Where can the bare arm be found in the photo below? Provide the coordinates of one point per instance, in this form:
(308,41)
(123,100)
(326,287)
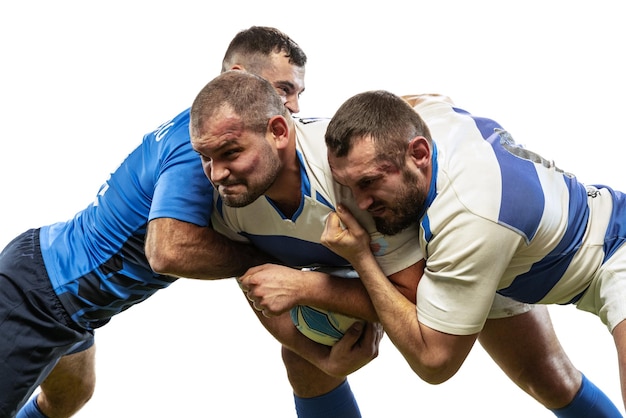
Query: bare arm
(275,289)
(433,355)
(183,249)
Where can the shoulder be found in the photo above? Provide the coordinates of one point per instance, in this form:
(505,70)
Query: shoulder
(310,141)
(170,138)
(311,129)
(178,126)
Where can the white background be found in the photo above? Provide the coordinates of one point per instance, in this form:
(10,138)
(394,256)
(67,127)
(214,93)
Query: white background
(81,82)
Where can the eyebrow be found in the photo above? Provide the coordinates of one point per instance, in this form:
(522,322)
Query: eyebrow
(224,144)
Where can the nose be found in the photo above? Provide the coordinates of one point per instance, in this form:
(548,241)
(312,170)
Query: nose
(217,172)
(363,200)
(292,103)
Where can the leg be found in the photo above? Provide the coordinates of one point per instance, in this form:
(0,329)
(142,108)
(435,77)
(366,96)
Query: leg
(619,335)
(316,393)
(526,348)
(34,334)
(69,386)
(528,351)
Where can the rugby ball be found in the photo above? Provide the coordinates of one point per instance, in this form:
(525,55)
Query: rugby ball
(320,325)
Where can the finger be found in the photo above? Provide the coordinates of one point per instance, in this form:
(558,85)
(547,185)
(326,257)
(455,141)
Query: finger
(378,333)
(332,222)
(243,284)
(260,307)
(352,335)
(331,229)
(346,217)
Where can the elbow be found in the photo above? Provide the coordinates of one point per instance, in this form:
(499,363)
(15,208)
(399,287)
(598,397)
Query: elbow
(433,377)
(161,261)
(435,371)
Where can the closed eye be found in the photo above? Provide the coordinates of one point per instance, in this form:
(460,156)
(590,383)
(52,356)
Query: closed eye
(365,183)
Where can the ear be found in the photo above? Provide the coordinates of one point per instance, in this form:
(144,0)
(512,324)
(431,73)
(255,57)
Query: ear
(419,151)
(278,128)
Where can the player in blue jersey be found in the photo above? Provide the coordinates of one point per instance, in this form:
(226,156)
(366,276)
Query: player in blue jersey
(493,217)
(60,282)
(275,190)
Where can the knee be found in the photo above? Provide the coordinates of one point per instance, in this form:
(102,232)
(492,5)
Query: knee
(554,387)
(66,401)
(306,380)
(70,385)
(84,389)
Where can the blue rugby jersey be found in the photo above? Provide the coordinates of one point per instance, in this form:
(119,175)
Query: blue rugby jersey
(96,261)
(502,218)
(296,240)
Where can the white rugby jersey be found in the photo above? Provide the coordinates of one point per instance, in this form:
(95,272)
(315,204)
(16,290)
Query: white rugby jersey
(296,241)
(501,218)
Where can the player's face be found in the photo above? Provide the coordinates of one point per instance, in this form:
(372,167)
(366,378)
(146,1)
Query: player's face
(241,164)
(394,196)
(287,79)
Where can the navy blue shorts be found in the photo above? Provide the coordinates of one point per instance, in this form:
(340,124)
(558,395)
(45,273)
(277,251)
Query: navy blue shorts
(35,330)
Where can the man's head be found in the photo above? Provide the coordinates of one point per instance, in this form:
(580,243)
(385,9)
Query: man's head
(240,128)
(271,54)
(381,148)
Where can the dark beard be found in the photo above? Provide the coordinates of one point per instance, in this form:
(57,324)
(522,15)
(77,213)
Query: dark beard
(410,204)
(240,201)
(271,166)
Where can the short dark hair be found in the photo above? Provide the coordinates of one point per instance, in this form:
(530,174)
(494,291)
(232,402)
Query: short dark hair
(261,40)
(386,118)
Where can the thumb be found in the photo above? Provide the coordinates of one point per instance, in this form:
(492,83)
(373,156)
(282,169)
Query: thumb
(346,217)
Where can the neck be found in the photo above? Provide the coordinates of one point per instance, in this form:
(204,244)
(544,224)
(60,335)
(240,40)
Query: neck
(285,192)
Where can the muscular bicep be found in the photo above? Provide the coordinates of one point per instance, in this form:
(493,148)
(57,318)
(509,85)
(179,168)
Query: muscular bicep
(169,240)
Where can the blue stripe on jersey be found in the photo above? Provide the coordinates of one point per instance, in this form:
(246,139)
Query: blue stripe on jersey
(486,126)
(616,229)
(428,234)
(432,193)
(322,199)
(123,280)
(522,202)
(296,252)
(305,183)
(535,284)
(305,188)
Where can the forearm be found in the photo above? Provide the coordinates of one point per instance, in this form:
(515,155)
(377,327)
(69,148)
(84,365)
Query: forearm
(338,294)
(433,355)
(182,249)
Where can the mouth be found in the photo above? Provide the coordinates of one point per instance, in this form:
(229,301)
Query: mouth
(229,189)
(377,211)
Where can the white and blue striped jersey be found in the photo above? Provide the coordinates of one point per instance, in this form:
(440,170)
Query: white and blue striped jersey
(295,241)
(96,260)
(502,218)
